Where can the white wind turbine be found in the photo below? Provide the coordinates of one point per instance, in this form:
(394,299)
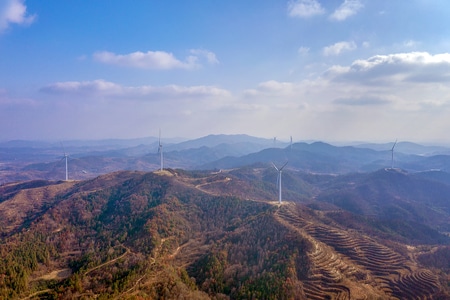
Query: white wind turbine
(66,158)
(392,154)
(160,151)
(279,170)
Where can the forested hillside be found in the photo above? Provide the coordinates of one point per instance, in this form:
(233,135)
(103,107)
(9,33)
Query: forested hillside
(205,235)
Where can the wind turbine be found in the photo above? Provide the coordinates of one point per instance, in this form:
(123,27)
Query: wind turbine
(392,154)
(66,158)
(160,151)
(279,170)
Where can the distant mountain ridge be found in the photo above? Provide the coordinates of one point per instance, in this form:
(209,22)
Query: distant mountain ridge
(214,140)
(210,152)
(315,157)
(408,148)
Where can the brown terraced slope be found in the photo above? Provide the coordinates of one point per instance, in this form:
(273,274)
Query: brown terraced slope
(203,235)
(351,265)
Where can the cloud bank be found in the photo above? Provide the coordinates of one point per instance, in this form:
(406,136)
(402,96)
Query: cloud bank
(406,81)
(102,88)
(403,94)
(412,67)
(373,95)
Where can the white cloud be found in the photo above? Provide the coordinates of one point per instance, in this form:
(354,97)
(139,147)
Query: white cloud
(338,48)
(210,56)
(347,9)
(395,68)
(102,88)
(157,60)
(14,12)
(410,44)
(303,50)
(96,87)
(304,8)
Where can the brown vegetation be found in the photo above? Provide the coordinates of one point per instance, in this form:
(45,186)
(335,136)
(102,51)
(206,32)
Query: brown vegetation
(176,234)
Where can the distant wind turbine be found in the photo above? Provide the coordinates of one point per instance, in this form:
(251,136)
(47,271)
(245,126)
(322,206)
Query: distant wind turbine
(66,158)
(274,141)
(279,170)
(291,143)
(392,154)
(160,151)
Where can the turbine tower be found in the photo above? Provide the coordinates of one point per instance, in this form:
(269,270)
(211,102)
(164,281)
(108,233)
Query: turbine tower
(392,154)
(66,158)
(279,170)
(160,151)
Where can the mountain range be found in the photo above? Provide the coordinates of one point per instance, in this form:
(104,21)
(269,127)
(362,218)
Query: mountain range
(28,160)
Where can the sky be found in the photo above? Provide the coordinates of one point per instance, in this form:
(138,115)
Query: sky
(330,70)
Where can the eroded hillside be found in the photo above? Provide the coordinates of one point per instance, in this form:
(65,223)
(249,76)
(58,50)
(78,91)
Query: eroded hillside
(200,235)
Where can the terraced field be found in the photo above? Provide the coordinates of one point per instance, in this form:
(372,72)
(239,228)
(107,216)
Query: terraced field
(350,265)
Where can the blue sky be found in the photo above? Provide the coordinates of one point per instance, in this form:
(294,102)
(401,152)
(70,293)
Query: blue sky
(341,70)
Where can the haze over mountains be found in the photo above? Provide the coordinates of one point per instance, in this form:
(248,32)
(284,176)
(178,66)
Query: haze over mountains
(25,160)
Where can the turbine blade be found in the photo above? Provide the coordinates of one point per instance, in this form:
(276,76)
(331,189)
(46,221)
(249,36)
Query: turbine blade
(64,149)
(395,143)
(275,166)
(159,140)
(284,165)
